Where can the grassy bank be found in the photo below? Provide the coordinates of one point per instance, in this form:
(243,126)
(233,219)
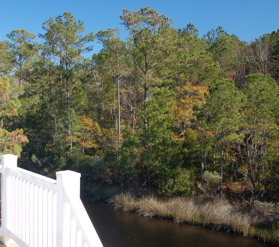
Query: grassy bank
(258,220)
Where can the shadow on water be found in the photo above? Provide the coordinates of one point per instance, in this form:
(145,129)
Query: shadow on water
(125,229)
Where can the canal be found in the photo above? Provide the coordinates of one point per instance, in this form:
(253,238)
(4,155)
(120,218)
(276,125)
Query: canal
(125,229)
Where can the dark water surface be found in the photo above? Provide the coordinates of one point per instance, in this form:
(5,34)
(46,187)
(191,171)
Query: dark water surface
(125,229)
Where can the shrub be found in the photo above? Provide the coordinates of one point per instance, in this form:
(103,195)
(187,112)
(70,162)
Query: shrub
(212,180)
(180,184)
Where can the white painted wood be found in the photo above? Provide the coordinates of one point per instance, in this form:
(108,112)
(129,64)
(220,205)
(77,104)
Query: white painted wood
(8,162)
(41,212)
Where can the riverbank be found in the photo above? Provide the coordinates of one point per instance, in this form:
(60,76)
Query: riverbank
(257,220)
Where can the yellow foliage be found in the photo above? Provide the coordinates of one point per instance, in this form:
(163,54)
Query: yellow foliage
(93,135)
(177,138)
(188,97)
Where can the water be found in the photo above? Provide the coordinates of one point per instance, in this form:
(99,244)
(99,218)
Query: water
(125,229)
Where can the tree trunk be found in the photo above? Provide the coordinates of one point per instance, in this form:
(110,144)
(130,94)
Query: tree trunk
(221,170)
(119,111)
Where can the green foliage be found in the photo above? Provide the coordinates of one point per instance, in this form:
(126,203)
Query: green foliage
(23,50)
(148,113)
(262,93)
(129,155)
(211,181)
(261,129)
(145,18)
(227,50)
(152,149)
(180,183)
(152,46)
(156,123)
(5,58)
(211,178)
(63,35)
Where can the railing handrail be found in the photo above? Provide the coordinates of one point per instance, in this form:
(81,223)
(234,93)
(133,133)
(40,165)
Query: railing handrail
(35,178)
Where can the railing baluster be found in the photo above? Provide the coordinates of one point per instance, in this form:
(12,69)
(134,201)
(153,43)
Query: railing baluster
(47,218)
(24,185)
(16,205)
(13,205)
(11,184)
(83,242)
(44,218)
(27,211)
(40,218)
(68,219)
(76,229)
(73,233)
(23,210)
(54,218)
(79,238)
(31,214)
(19,207)
(50,225)
(36,214)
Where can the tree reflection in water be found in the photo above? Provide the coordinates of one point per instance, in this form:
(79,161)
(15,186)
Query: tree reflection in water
(125,229)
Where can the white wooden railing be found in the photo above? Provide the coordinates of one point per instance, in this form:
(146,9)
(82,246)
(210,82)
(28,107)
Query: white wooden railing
(37,211)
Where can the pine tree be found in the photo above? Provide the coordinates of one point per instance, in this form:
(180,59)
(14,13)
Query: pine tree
(23,50)
(225,117)
(261,128)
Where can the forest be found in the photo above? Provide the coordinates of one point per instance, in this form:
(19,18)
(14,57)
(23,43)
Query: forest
(165,111)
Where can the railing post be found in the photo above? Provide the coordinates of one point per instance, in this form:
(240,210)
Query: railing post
(8,161)
(67,181)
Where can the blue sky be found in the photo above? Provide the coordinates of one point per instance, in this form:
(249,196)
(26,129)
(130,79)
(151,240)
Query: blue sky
(248,19)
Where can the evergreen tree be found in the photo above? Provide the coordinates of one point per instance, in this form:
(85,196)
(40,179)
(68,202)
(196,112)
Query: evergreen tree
(5,58)
(114,53)
(224,117)
(23,49)
(156,150)
(227,50)
(261,129)
(152,44)
(66,45)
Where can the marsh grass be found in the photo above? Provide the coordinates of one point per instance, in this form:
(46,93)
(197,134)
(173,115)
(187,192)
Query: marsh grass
(152,207)
(125,202)
(259,220)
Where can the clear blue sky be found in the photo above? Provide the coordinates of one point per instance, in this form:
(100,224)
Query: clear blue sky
(248,19)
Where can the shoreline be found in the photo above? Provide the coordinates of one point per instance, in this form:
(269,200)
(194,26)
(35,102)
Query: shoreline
(258,220)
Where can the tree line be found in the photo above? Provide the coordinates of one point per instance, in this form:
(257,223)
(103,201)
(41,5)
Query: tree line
(154,112)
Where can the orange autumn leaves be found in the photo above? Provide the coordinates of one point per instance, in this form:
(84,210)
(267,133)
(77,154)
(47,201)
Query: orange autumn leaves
(10,141)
